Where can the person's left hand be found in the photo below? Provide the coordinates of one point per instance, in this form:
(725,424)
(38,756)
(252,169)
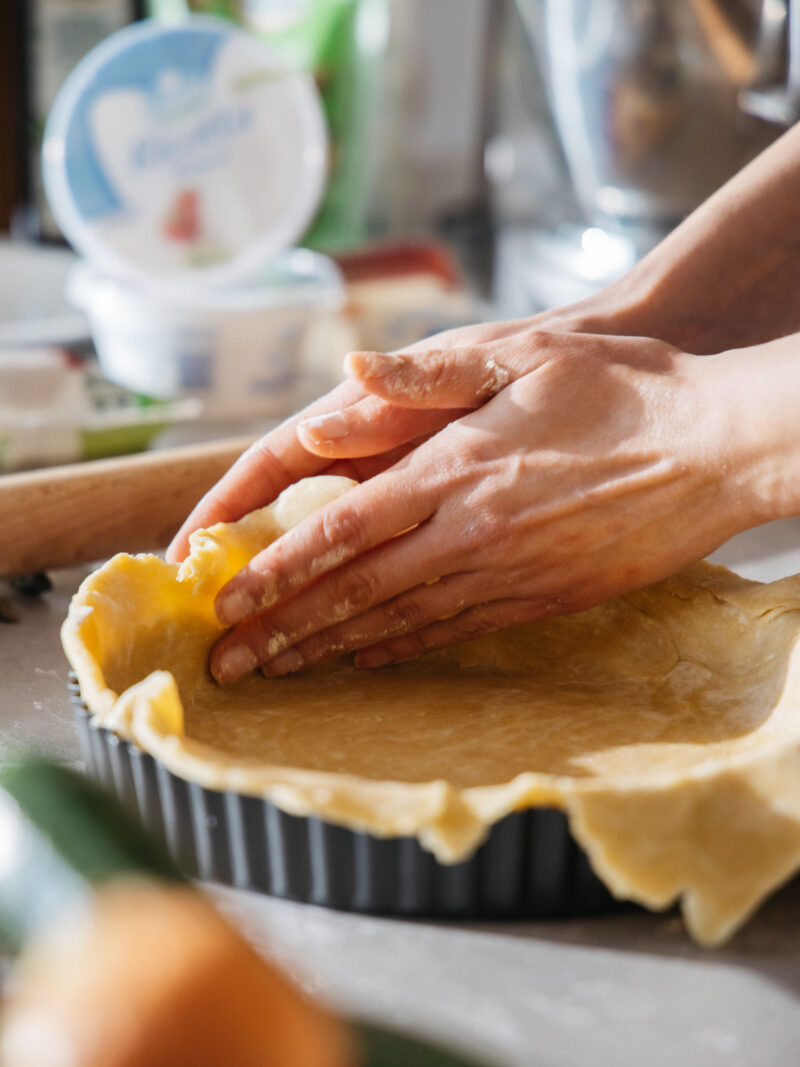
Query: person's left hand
(371,420)
(596,469)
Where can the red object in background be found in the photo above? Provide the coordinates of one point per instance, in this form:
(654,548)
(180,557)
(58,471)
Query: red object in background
(399,260)
(183,221)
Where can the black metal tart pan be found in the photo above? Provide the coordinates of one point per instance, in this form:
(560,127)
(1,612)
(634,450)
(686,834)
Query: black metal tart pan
(528,867)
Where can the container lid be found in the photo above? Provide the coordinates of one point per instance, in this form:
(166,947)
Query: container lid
(184,154)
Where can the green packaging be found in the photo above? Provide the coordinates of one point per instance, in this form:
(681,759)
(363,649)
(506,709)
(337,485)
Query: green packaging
(339,42)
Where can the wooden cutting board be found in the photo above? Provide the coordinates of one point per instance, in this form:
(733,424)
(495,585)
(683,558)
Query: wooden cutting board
(62,516)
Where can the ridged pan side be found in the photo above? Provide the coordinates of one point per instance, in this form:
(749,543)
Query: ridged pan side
(528,867)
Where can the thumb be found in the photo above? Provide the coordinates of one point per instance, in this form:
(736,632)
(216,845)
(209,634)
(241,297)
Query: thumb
(436,378)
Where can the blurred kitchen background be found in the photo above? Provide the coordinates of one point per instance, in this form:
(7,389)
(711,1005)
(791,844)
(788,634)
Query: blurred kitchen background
(488,159)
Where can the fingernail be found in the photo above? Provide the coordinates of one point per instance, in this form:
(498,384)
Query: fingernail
(331,427)
(285,663)
(378,364)
(233,663)
(232,607)
(373,657)
(235,606)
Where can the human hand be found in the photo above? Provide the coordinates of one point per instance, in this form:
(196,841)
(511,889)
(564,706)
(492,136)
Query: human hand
(690,291)
(595,470)
(387,427)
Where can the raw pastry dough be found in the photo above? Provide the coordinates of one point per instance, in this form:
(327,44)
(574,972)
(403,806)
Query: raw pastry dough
(666,723)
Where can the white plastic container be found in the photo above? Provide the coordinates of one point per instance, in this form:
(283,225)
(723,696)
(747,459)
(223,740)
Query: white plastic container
(239,349)
(33,310)
(182,160)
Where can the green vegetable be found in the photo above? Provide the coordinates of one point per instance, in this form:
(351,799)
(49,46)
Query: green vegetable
(385,1048)
(60,836)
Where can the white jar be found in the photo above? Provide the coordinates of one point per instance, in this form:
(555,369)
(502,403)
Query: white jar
(239,349)
(183,161)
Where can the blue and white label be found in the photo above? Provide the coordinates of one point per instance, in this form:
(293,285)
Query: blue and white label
(178,150)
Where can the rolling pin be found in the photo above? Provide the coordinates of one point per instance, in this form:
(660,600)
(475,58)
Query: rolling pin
(62,516)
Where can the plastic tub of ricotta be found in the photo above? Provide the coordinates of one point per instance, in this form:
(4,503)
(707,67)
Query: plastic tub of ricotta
(239,349)
(183,161)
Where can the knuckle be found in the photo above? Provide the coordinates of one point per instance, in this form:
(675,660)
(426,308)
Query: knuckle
(437,368)
(266,642)
(416,644)
(474,623)
(539,340)
(342,527)
(358,590)
(263,458)
(406,615)
(317,647)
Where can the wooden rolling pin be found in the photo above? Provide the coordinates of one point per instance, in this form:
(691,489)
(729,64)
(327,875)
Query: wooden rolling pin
(83,512)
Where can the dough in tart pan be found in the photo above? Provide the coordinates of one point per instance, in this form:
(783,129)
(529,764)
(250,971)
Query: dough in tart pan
(665,723)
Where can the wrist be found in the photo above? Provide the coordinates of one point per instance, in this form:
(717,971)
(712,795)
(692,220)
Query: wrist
(630,307)
(754,394)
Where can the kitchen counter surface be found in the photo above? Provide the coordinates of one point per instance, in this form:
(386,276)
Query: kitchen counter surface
(626,990)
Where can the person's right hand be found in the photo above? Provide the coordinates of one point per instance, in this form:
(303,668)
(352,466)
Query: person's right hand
(609,464)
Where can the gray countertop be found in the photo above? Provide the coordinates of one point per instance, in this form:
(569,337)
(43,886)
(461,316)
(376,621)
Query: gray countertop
(626,990)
